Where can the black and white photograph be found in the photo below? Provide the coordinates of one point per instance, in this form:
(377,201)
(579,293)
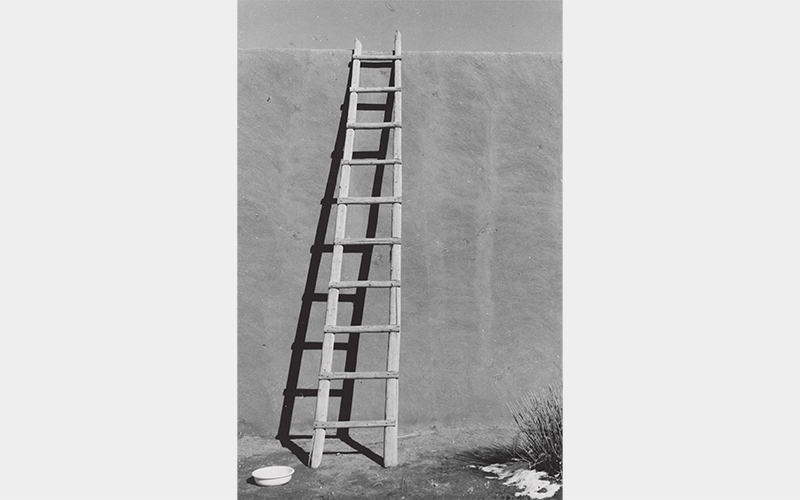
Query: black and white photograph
(399,249)
(376,137)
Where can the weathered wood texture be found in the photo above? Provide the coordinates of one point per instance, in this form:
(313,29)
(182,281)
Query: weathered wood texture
(392,373)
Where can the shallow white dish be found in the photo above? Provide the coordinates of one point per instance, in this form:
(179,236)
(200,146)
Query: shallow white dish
(273,475)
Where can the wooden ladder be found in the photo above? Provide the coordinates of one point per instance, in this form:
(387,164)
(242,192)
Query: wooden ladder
(391,375)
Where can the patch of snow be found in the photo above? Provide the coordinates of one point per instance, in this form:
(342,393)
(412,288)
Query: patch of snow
(532,483)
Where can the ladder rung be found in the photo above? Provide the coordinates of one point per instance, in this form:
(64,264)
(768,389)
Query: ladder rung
(369,200)
(356,125)
(357,375)
(366,90)
(376,57)
(355,423)
(370,161)
(362,329)
(364,284)
(366,241)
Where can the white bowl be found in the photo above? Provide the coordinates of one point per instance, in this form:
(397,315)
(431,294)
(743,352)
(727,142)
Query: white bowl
(273,476)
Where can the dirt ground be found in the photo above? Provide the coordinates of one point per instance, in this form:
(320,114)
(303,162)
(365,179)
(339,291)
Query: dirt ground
(435,463)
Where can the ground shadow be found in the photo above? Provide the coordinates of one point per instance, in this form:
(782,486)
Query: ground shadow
(357,298)
(487,455)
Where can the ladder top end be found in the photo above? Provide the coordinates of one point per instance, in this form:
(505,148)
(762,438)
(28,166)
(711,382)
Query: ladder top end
(358,44)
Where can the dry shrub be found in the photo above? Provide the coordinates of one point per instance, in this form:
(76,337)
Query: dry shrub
(539,439)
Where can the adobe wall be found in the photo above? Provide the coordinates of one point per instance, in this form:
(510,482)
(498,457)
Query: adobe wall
(481,235)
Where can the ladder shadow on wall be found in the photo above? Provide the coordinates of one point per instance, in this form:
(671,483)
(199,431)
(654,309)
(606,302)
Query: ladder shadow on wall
(318,273)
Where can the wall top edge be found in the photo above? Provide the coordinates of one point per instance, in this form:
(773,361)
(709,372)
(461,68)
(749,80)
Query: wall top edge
(405,52)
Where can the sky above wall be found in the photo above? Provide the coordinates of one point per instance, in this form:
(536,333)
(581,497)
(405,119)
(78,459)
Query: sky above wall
(426,25)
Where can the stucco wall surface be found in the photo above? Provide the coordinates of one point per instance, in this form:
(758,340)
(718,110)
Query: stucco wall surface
(481,268)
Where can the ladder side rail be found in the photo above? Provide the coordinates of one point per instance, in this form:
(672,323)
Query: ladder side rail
(393,356)
(326,361)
